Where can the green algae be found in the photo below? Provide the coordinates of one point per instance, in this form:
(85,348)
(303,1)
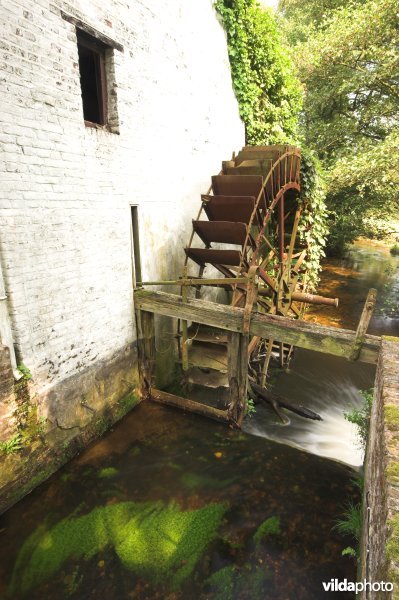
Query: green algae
(390,338)
(107,473)
(232,582)
(392,470)
(270,526)
(392,547)
(126,403)
(193,481)
(158,542)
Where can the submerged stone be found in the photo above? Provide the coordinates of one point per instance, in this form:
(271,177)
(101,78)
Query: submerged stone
(158,542)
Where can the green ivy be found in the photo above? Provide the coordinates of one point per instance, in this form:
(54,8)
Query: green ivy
(268,93)
(313,229)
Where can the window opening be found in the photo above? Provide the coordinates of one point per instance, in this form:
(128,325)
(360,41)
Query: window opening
(92,78)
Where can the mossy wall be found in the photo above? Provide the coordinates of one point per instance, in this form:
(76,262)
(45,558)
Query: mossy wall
(380,539)
(55,425)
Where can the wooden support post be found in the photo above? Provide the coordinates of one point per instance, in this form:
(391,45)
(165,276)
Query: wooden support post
(366,315)
(252,293)
(146,350)
(265,367)
(237,376)
(281,230)
(184,346)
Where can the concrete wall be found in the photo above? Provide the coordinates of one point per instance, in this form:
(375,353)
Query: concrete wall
(66,190)
(380,543)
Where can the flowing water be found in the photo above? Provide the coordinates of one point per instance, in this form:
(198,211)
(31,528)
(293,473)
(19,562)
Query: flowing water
(328,385)
(172,506)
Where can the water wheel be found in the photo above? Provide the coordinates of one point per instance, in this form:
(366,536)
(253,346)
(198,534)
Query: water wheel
(250,219)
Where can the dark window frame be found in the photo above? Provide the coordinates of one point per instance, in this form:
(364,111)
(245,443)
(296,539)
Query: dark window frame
(98,50)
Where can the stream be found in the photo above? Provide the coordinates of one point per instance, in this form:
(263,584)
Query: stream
(173,506)
(326,384)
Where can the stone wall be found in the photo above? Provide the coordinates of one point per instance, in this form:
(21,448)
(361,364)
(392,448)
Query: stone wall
(67,189)
(380,543)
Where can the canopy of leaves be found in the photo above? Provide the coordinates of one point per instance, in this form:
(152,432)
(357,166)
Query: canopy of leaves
(268,92)
(347,56)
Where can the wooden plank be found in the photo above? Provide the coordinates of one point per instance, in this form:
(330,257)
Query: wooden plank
(329,340)
(365,318)
(189,405)
(237,376)
(145,321)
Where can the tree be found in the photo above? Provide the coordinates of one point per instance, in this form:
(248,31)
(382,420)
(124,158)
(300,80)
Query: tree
(347,56)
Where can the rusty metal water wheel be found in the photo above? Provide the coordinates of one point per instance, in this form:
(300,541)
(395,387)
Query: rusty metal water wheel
(252,229)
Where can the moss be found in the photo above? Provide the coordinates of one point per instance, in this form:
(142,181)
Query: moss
(231,582)
(107,473)
(269,527)
(392,547)
(100,426)
(161,543)
(126,403)
(390,338)
(391,417)
(223,583)
(392,470)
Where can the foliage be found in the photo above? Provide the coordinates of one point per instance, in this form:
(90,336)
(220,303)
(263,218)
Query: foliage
(347,55)
(12,445)
(251,408)
(395,250)
(27,375)
(361,416)
(363,195)
(350,524)
(268,93)
(270,526)
(161,543)
(349,551)
(313,229)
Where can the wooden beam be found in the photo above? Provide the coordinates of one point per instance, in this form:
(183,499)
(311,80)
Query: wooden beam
(329,340)
(145,321)
(365,318)
(237,348)
(189,405)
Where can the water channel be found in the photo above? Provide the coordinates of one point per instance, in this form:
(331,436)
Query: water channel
(172,506)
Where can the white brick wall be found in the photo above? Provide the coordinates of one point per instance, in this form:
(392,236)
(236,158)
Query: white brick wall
(66,189)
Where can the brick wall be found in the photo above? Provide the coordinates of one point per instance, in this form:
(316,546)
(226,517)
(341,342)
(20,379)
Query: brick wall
(66,188)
